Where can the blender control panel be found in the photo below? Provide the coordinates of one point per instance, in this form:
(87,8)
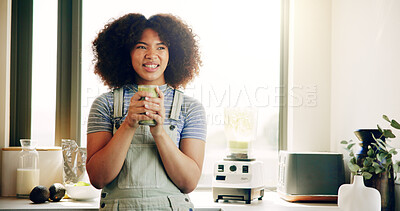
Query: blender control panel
(233,168)
(228,170)
(241,174)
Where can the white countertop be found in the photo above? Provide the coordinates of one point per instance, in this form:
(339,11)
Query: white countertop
(271,202)
(13,203)
(202,199)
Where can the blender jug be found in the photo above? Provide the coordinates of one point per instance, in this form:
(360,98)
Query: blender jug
(240,130)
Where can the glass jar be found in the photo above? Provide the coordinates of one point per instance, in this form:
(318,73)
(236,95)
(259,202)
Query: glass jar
(28,170)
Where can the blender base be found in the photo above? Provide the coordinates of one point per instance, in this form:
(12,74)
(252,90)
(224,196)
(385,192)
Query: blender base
(238,157)
(237,194)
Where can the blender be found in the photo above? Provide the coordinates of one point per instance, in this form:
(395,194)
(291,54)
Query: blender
(239,177)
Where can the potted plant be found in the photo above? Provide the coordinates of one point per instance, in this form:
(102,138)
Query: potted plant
(374,161)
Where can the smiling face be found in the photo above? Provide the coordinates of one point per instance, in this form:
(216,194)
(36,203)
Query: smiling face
(150,59)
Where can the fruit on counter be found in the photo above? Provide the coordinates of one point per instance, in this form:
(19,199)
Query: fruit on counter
(81,183)
(57,192)
(39,194)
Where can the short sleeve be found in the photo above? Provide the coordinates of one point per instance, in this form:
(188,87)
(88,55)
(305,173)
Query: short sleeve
(100,115)
(195,124)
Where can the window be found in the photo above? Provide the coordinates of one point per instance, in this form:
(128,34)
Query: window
(240,45)
(44,71)
(33,71)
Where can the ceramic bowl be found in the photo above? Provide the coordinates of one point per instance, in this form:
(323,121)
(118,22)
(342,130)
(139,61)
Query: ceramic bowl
(82,192)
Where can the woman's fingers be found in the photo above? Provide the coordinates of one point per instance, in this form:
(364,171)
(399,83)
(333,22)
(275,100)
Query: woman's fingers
(145,107)
(140,95)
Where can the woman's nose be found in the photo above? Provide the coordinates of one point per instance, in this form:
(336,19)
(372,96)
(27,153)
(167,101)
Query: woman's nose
(151,54)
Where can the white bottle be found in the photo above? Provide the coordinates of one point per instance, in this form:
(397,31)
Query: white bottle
(358,197)
(28,173)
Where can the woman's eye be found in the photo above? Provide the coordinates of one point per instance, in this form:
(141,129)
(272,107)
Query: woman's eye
(140,47)
(161,48)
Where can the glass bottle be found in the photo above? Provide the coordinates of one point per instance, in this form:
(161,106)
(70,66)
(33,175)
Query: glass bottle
(28,170)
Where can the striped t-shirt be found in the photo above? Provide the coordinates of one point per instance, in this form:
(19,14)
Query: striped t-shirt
(191,123)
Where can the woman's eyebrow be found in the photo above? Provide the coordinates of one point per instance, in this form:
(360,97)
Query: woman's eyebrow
(144,43)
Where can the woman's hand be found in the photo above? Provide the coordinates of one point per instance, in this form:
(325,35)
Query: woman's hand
(139,109)
(156,110)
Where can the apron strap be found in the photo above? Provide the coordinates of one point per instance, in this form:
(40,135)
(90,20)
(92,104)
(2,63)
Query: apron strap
(118,106)
(176,105)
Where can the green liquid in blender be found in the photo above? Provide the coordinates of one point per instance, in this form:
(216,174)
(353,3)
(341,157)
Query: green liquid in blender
(238,146)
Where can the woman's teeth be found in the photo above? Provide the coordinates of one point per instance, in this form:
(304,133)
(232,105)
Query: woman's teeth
(151,65)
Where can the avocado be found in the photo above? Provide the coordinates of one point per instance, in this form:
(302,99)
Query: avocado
(39,194)
(57,192)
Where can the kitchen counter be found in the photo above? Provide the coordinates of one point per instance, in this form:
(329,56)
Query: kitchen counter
(271,201)
(202,200)
(13,203)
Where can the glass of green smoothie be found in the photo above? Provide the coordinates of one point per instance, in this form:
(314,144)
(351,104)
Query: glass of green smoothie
(152,90)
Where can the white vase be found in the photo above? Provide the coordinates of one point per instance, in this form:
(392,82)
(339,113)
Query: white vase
(356,196)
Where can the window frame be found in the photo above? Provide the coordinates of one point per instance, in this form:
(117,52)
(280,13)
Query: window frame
(21,70)
(284,69)
(68,95)
(68,71)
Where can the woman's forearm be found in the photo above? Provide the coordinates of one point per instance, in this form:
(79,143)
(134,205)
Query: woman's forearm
(107,155)
(184,170)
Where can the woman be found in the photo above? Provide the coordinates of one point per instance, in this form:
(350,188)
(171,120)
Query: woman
(143,167)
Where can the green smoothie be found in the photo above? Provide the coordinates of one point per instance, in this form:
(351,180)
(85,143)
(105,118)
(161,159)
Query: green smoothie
(238,146)
(152,90)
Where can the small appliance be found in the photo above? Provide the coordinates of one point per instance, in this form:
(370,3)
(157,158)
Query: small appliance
(310,176)
(239,177)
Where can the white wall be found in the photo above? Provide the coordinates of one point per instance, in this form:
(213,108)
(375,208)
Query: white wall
(349,51)
(309,75)
(365,66)
(5,41)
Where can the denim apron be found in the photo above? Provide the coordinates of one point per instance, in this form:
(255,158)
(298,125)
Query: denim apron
(142,183)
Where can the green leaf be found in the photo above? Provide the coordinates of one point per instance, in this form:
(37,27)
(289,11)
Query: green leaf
(380,144)
(367,162)
(371,153)
(353,160)
(378,170)
(380,129)
(371,170)
(353,167)
(393,151)
(395,124)
(367,175)
(381,157)
(388,134)
(386,118)
(344,142)
(351,154)
(350,146)
(376,165)
(366,169)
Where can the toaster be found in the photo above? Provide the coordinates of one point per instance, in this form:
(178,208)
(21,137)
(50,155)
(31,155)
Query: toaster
(310,176)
